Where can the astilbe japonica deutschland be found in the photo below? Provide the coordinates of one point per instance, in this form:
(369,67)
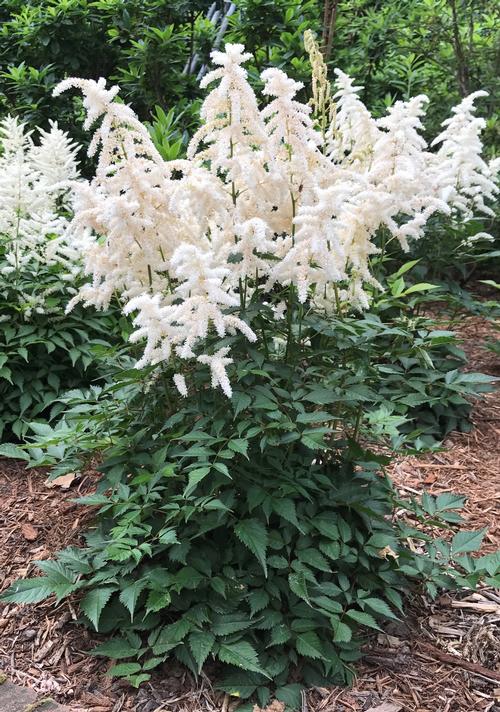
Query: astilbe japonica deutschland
(244,518)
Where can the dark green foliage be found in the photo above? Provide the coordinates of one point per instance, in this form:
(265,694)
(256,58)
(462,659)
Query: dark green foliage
(143,46)
(258,532)
(45,354)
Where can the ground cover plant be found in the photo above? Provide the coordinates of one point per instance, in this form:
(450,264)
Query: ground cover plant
(243,510)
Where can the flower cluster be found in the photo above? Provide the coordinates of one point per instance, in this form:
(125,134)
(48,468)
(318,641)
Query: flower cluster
(268,199)
(34,208)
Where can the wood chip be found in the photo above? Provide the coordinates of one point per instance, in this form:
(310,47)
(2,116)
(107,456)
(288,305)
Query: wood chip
(29,532)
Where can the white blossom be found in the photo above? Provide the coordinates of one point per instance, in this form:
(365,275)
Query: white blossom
(34,201)
(264,202)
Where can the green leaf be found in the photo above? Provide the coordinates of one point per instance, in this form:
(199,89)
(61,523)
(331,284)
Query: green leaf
(464,542)
(195,477)
(137,680)
(201,645)
(341,631)
(253,535)
(240,654)
(297,583)
(240,684)
(314,558)
(309,644)
(279,634)
(317,416)
(28,591)
(227,623)
(380,607)
(157,600)
(124,669)
(331,549)
(449,500)
(258,600)
(321,396)
(93,603)
(239,445)
(286,509)
(116,649)
(291,695)
(13,451)
(420,287)
(129,596)
(327,604)
(241,401)
(363,618)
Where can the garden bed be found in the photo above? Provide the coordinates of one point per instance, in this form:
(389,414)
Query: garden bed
(445,657)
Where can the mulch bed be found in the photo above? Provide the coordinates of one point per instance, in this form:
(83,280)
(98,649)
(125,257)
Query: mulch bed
(444,658)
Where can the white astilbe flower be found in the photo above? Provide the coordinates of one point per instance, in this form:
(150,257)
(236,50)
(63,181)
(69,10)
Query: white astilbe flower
(34,198)
(232,126)
(266,202)
(353,132)
(463,177)
(292,137)
(55,157)
(180,384)
(218,363)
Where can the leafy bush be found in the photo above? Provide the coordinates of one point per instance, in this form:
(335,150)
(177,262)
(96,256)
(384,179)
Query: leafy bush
(242,515)
(258,533)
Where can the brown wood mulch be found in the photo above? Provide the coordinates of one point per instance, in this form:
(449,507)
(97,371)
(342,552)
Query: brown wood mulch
(444,658)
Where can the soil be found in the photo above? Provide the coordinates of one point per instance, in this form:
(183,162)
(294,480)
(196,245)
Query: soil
(444,658)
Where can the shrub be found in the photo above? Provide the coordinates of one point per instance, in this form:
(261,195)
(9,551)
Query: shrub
(242,514)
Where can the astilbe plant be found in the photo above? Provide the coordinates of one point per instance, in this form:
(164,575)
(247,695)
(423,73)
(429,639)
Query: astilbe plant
(39,271)
(242,516)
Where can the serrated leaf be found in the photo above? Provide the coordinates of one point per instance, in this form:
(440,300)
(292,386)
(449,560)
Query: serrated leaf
(314,558)
(449,500)
(241,401)
(157,600)
(341,632)
(130,594)
(290,694)
(28,591)
(253,535)
(242,655)
(258,600)
(279,634)
(93,604)
(238,683)
(331,549)
(225,624)
(317,416)
(195,477)
(326,526)
(201,645)
(116,649)
(362,618)
(380,607)
(286,509)
(309,644)
(13,451)
(464,542)
(239,445)
(297,583)
(124,669)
